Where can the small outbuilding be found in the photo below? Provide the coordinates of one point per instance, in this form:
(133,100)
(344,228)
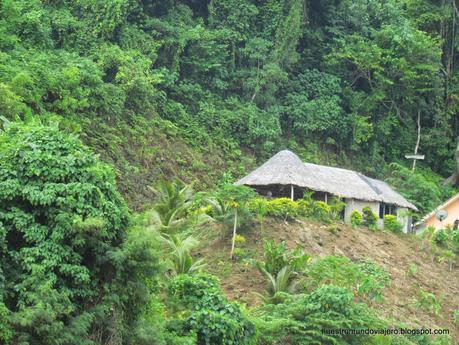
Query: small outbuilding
(445,215)
(285,175)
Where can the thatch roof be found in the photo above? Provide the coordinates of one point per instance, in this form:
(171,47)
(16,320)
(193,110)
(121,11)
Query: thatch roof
(286,168)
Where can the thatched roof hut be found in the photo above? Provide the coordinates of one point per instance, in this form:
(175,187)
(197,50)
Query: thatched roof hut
(286,168)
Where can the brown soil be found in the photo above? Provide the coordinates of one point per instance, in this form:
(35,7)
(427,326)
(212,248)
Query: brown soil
(241,281)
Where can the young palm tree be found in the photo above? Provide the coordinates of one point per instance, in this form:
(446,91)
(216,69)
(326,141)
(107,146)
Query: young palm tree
(180,254)
(173,202)
(282,267)
(283,281)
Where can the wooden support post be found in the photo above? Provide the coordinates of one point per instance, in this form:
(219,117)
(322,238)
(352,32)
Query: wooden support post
(233,241)
(292,192)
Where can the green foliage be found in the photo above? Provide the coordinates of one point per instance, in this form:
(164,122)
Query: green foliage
(456,316)
(369,218)
(321,210)
(392,224)
(356,218)
(301,318)
(173,202)
(281,267)
(429,301)
(6,331)
(180,252)
(208,313)
(365,279)
(69,270)
(424,191)
(240,239)
(336,208)
(283,208)
(286,209)
(413,269)
(346,78)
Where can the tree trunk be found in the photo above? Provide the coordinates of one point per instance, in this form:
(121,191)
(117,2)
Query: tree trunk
(454,178)
(234,234)
(418,140)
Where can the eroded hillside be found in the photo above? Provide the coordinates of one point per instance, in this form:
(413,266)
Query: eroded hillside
(409,260)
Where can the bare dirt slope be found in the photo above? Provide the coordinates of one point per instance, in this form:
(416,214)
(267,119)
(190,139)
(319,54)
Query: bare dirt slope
(396,253)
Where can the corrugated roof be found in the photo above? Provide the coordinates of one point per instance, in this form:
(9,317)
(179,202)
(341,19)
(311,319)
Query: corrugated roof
(286,168)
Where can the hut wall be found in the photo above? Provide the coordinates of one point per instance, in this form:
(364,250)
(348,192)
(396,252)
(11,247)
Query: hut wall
(405,219)
(354,204)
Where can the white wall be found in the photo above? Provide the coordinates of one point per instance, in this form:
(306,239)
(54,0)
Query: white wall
(353,204)
(403,218)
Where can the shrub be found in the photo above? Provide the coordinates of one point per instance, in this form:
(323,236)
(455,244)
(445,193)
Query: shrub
(214,319)
(321,211)
(336,207)
(365,278)
(305,207)
(301,319)
(369,218)
(429,301)
(440,237)
(392,224)
(283,208)
(63,229)
(286,209)
(356,218)
(6,331)
(239,239)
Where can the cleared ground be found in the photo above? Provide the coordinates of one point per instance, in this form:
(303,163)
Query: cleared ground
(241,281)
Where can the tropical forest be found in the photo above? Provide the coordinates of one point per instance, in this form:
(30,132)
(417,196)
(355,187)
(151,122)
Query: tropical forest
(125,126)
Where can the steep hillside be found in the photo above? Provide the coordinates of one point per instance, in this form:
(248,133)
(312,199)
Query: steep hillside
(396,253)
(145,150)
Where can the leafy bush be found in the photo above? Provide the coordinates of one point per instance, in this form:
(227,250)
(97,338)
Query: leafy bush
(6,331)
(369,218)
(283,208)
(277,256)
(208,313)
(239,239)
(63,229)
(321,211)
(392,224)
(301,318)
(429,301)
(305,207)
(441,237)
(336,207)
(365,279)
(356,218)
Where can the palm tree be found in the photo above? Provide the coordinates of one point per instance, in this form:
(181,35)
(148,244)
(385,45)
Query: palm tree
(180,254)
(283,281)
(173,201)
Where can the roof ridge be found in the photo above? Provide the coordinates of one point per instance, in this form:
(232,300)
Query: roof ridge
(368,182)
